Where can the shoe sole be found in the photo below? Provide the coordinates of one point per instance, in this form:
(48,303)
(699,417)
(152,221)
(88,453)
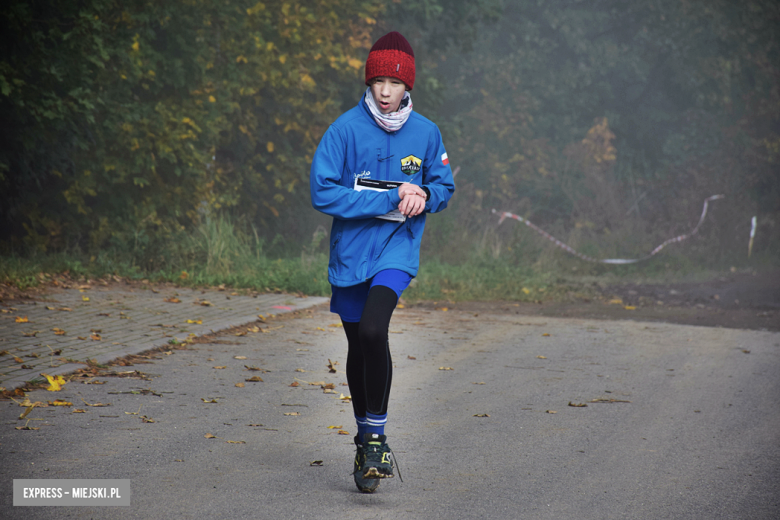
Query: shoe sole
(373,473)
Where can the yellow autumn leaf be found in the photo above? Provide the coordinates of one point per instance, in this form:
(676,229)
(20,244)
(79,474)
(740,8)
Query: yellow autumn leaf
(197,322)
(55,383)
(629,307)
(136,46)
(270,147)
(355,63)
(60,402)
(616,301)
(19,319)
(526,290)
(212,99)
(85,298)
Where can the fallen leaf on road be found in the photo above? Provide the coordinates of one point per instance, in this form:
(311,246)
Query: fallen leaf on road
(578,405)
(55,383)
(172,299)
(480,383)
(343,432)
(254,379)
(197,322)
(294,384)
(208,400)
(220,367)
(481,415)
(616,301)
(335,427)
(79,410)
(210,436)
(299,370)
(269,329)
(20,319)
(147,419)
(541,357)
(236,442)
(605,400)
(30,334)
(96,404)
(239,357)
(546,334)
(329,386)
(331,364)
(240,385)
(251,368)
(551,411)
(629,307)
(85,298)
(446,368)
(18,359)
(95,337)
(29,409)
(60,402)
(411,357)
(58,331)
(292,413)
(315,463)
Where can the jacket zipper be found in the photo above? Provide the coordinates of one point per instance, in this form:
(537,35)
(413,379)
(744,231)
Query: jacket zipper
(376,229)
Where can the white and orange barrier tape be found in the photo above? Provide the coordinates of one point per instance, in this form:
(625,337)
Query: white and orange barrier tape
(506,214)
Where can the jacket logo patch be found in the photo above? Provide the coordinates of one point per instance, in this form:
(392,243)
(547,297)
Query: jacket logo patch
(411,165)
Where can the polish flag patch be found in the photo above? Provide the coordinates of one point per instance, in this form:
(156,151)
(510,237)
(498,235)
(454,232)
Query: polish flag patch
(444,159)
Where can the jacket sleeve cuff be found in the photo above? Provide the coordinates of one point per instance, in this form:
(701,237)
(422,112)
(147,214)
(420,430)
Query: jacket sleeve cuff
(395,199)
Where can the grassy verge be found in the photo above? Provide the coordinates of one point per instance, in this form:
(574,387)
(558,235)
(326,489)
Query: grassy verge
(220,253)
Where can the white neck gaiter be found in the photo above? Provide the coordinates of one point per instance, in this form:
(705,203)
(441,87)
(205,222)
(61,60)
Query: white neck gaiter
(393,121)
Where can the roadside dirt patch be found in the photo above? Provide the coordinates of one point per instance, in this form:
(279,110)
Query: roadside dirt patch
(735,300)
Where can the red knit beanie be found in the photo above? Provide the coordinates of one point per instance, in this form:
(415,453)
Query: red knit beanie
(393,57)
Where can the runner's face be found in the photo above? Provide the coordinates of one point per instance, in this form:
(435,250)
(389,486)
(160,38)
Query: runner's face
(388,93)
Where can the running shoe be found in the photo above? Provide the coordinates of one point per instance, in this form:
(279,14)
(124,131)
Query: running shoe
(365,485)
(377,457)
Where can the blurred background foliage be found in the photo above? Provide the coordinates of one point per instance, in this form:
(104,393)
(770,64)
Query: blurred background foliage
(135,127)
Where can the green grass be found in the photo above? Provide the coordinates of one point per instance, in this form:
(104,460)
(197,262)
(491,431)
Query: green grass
(219,252)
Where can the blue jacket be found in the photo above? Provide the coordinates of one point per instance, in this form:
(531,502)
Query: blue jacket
(356,146)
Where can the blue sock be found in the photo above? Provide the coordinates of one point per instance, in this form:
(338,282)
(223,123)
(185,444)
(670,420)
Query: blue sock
(375,423)
(362,424)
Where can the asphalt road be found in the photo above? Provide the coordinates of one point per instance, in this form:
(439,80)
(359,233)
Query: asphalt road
(681,422)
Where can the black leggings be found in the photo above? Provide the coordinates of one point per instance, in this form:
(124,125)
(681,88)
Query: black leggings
(369,366)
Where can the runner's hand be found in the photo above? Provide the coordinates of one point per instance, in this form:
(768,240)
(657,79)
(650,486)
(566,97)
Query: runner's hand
(410,189)
(412,205)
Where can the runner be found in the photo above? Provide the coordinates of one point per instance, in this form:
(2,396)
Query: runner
(377,171)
